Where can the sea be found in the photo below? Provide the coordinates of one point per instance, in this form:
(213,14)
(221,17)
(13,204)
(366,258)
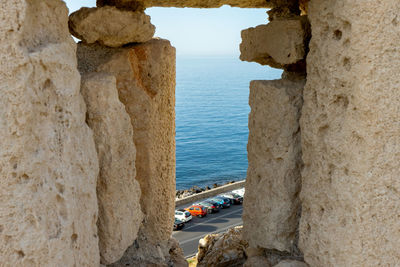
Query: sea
(211,118)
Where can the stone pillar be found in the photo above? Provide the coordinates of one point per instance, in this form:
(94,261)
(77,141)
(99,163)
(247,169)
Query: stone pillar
(351,135)
(118,191)
(271,206)
(48,206)
(145,79)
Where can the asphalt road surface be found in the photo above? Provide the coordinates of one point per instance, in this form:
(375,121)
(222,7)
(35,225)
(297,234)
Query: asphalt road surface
(213,223)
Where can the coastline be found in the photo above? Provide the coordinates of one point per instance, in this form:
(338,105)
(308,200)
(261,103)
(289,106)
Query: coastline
(196,190)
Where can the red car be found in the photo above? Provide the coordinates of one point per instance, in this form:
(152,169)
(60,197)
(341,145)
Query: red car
(197,210)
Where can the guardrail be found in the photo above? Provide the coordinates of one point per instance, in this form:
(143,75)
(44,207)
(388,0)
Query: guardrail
(209,193)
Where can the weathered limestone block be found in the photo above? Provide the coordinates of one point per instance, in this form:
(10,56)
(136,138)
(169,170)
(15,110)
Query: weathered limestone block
(278,43)
(271,206)
(110,26)
(177,257)
(227,249)
(145,76)
(351,135)
(257,261)
(141,4)
(291,263)
(118,192)
(48,160)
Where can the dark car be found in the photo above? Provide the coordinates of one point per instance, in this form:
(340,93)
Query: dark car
(211,208)
(226,203)
(178,225)
(215,203)
(234,198)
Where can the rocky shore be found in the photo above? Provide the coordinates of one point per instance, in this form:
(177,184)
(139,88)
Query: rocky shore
(197,189)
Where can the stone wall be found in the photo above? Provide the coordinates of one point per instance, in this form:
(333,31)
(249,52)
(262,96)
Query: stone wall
(56,173)
(272,207)
(351,128)
(145,80)
(118,191)
(49,166)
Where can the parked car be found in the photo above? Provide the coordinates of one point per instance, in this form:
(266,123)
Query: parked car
(197,210)
(219,206)
(231,200)
(240,192)
(235,198)
(183,215)
(211,208)
(220,202)
(178,224)
(226,203)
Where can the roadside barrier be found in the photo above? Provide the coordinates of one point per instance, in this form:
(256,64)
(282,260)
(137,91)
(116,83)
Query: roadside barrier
(209,193)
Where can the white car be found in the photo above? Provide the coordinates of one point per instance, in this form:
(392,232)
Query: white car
(240,191)
(183,215)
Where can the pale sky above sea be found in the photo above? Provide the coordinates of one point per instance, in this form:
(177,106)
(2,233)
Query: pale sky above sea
(198,31)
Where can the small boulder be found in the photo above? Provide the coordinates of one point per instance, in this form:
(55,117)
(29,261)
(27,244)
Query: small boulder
(226,249)
(195,189)
(110,26)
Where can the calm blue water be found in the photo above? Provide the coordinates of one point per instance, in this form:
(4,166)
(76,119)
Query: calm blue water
(211,118)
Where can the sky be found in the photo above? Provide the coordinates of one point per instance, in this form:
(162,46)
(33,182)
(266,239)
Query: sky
(195,31)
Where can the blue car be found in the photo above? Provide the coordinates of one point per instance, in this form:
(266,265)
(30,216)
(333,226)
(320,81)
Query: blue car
(224,202)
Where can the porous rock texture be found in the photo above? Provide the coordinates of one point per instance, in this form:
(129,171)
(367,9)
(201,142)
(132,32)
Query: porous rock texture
(110,26)
(176,255)
(271,204)
(257,261)
(278,43)
(48,205)
(142,4)
(145,78)
(291,263)
(350,135)
(118,191)
(227,249)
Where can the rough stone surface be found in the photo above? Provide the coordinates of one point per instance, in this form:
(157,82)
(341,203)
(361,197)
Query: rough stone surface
(271,205)
(291,263)
(145,254)
(256,261)
(110,26)
(48,160)
(177,258)
(226,249)
(350,135)
(141,4)
(145,76)
(278,43)
(118,192)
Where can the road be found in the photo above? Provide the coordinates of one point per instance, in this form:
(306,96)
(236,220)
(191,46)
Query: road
(193,231)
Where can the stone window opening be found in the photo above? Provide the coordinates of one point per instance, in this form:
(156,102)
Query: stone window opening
(78,121)
(148,97)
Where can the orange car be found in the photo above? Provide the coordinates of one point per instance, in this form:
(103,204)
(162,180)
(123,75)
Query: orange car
(197,210)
